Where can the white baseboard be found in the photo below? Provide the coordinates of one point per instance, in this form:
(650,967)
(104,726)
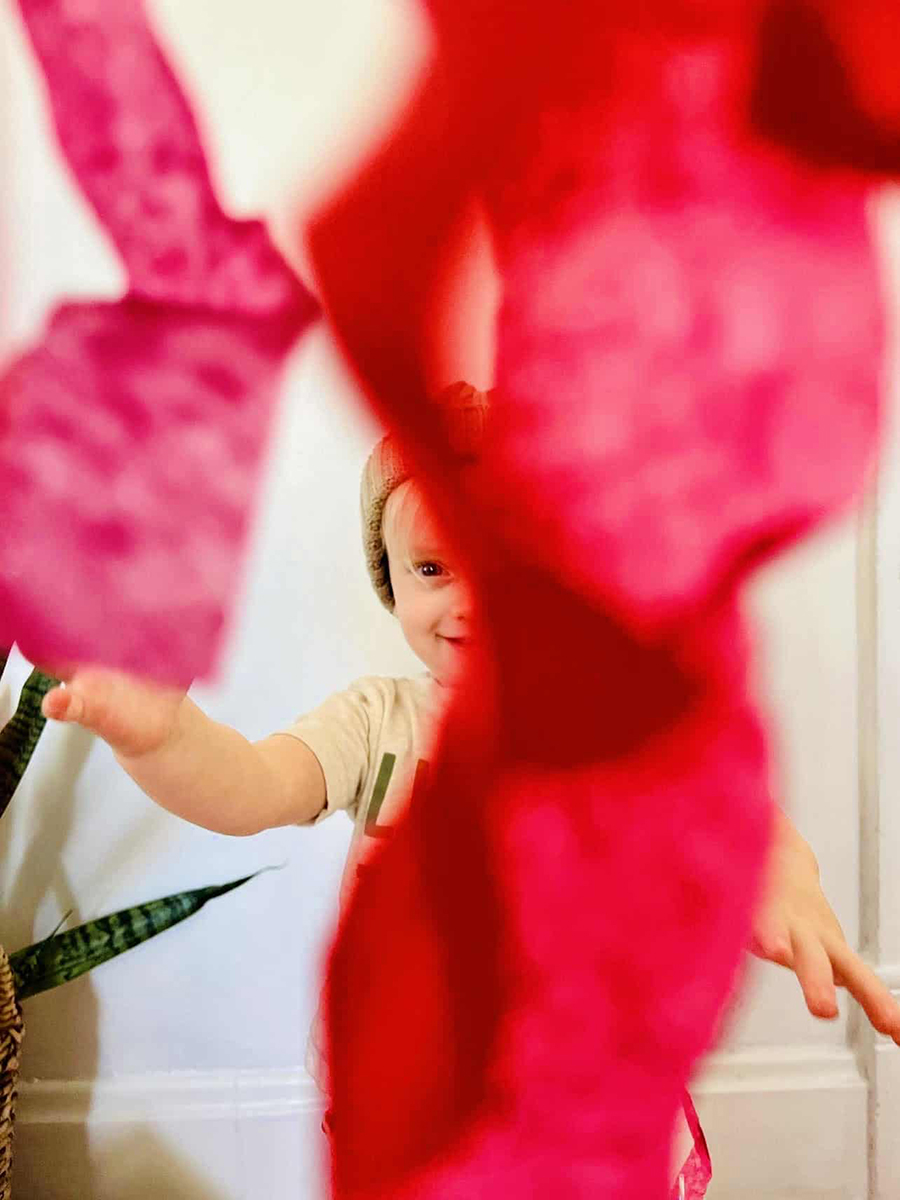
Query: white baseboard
(784,1123)
(189,1095)
(204,1135)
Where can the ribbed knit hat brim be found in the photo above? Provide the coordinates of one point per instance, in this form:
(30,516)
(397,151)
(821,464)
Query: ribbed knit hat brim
(464,409)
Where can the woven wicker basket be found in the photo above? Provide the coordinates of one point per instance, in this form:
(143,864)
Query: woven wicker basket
(11,1030)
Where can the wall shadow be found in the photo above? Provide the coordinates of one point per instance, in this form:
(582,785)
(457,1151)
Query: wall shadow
(135,1164)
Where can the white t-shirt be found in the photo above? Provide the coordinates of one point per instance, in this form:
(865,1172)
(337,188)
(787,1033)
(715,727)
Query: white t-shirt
(372,742)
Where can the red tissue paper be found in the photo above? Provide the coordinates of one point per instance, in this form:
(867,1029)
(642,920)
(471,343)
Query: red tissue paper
(689,344)
(132,434)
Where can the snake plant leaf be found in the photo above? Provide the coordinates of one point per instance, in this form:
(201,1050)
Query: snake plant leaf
(20,734)
(65,956)
(4,656)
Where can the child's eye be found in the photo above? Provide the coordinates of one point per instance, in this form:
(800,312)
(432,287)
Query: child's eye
(429,570)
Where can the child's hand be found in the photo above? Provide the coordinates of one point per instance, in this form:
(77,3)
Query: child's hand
(135,717)
(795,927)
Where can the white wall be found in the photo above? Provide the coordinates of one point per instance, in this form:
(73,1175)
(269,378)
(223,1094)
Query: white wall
(177,1070)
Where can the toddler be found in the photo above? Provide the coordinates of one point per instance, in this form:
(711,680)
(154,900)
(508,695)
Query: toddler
(365,749)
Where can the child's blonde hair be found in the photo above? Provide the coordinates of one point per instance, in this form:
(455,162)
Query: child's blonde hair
(403,510)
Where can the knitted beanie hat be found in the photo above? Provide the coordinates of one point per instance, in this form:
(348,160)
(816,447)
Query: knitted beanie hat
(464,410)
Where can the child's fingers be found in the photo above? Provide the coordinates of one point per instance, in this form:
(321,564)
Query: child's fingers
(772,941)
(97,700)
(69,704)
(812,966)
(863,984)
(130,715)
(57,703)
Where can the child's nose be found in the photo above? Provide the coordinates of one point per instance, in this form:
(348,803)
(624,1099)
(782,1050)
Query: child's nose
(462,603)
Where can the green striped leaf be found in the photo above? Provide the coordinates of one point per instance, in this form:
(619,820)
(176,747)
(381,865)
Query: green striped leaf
(4,656)
(67,955)
(20,734)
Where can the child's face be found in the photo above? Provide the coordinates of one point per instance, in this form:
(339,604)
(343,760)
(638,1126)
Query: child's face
(433,602)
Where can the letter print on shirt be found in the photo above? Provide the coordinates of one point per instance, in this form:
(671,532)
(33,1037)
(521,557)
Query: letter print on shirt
(382,829)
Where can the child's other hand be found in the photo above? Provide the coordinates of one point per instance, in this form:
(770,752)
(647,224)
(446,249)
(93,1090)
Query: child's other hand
(795,927)
(134,716)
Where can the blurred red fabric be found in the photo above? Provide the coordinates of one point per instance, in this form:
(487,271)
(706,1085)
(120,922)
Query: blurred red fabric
(688,353)
(132,434)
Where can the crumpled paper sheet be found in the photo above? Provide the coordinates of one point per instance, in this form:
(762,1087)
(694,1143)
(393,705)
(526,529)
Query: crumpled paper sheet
(132,434)
(689,347)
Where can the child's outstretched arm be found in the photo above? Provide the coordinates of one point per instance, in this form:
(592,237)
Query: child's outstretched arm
(196,768)
(795,927)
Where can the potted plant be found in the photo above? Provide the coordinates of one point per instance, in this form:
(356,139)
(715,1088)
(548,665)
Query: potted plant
(64,955)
